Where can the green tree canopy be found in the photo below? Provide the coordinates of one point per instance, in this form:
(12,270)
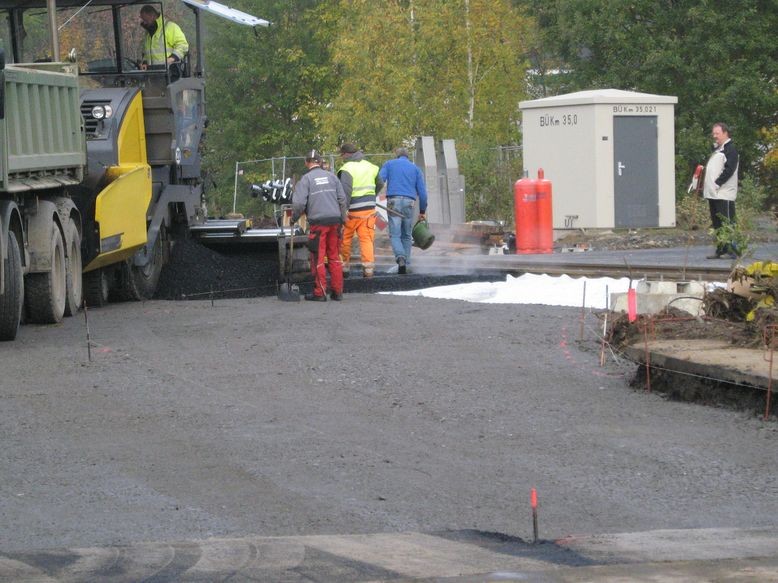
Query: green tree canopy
(718,58)
(449,68)
(265,87)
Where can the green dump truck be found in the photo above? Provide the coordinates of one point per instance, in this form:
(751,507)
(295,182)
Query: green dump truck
(42,154)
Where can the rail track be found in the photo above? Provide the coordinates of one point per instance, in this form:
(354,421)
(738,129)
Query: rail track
(200,272)
(560,265)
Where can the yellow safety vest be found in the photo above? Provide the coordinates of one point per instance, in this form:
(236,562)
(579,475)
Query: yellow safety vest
(363,175)
(157,48)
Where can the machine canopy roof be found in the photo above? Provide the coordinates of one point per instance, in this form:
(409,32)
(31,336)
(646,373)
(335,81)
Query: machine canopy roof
(204,5)
(227,12)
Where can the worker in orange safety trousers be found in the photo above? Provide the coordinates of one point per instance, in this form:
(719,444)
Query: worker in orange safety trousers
(361,183)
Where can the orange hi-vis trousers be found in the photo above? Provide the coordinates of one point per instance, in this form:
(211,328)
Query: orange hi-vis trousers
(363,224)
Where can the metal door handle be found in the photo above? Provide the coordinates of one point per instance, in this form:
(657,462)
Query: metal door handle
(621,167)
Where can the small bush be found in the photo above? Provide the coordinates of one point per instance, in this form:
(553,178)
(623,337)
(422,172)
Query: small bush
(489,177)
(691,213)
(731,235)
(750,203)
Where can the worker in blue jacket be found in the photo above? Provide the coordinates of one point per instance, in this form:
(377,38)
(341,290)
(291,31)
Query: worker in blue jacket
(404,184)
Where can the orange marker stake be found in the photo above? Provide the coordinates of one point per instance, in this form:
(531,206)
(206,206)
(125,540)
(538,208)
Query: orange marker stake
(632,305)
(533,499)
(88,337)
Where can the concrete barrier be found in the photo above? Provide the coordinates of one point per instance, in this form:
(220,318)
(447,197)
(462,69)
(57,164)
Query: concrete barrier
(654,296)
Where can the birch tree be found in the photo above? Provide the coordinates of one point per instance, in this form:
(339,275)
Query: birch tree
(450,68)
(266,87)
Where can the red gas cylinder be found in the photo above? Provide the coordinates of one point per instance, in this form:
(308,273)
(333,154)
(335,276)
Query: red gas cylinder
(545,213)
(525,213)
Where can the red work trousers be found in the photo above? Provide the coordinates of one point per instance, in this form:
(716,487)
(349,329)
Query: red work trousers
(324,242)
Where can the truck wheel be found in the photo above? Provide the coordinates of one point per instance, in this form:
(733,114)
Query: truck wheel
(125,290)
(74,277)
(46,292)
(12,299)
(96,288)
(145,279)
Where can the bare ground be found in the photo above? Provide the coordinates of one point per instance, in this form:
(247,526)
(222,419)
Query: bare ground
(763,231)
(252,416)
(377,414)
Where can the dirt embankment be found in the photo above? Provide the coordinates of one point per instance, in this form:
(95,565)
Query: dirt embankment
(763,231)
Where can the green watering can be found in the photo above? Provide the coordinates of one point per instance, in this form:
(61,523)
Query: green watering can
(422,236)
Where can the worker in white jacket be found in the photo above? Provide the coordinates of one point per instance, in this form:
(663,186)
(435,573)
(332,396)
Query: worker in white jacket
(721,186)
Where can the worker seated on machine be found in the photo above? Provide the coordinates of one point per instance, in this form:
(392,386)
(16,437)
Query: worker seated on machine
(161,50)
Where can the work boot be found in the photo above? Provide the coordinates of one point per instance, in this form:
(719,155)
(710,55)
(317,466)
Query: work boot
(401,268)
(336,297)
(315,298)
(368,272)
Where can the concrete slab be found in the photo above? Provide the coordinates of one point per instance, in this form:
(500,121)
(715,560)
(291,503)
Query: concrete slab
(695,288)
(654,296)
(715,359)
(655,303)
(676,545)
(664,555)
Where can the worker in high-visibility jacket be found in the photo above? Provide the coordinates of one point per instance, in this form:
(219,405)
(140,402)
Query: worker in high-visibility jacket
(361,182)
(165,43)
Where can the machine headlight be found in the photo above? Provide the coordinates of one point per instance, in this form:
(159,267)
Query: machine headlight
(102,111)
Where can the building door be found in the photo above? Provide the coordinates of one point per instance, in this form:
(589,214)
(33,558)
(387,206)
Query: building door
(635,171)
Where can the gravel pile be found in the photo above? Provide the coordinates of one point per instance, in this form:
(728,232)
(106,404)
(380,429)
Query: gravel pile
(197,272)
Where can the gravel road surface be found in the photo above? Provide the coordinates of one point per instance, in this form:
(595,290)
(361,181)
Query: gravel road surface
(376,414)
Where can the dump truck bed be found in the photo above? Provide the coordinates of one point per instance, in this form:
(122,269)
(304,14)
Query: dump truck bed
(42,143)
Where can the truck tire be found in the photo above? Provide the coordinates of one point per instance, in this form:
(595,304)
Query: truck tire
(96,288)
(74,276)
(124,290)
(46,292)
(140,283)
(146,279)
(12,299)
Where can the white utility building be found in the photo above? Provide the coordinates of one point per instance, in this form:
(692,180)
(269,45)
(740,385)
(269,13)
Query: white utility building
(609,155)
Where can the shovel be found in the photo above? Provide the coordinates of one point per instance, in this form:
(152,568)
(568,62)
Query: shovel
(390,211)
(288,292)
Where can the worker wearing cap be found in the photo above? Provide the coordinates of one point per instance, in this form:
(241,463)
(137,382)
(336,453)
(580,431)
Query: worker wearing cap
(319,194)
(165,42)
(404,184)
(361,183)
